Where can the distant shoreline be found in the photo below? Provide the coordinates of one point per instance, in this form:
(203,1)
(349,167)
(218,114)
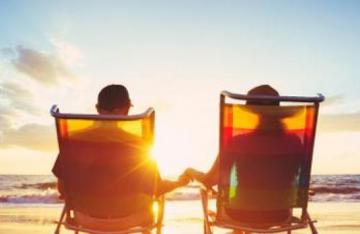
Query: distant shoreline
(42,189)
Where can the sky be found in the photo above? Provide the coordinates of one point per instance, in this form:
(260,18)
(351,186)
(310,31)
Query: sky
(176,56)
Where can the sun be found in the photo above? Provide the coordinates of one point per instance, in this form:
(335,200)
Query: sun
(170,151)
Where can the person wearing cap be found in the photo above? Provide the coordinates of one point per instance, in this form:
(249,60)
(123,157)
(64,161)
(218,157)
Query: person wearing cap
(114,100)
(269,137)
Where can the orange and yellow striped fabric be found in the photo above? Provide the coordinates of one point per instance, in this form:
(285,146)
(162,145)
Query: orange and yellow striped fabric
(265,156)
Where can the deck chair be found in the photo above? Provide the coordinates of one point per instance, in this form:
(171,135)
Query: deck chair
(99,197)
(265,164)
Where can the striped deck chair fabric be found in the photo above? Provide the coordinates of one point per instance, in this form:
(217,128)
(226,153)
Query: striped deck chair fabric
(107,171)
(265,160)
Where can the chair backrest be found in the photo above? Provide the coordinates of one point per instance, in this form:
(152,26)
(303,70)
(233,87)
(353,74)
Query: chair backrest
(265,152)
(105,160)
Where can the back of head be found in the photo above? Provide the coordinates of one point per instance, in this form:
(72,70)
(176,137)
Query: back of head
(112,97)
(263,90)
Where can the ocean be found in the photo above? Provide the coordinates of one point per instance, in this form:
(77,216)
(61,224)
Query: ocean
(41,190)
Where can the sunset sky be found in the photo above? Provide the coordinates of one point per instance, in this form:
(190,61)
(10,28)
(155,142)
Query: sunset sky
(176,56)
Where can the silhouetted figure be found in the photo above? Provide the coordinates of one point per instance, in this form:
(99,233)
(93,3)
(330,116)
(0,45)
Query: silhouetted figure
(264,159)
(109,171)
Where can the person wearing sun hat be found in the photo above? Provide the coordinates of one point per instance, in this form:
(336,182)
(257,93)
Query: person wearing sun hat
(210,178)
(269,136)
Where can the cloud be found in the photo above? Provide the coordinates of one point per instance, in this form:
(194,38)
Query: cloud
(17,97)
(337,118)
(21,99)
(340,122)
(333,100)
(16,101)
(5,123)
(31,136)
(67,52)
(41,67)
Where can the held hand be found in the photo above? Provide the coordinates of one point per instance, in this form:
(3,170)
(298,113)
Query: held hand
(190,172)
(183,179)
(194,174)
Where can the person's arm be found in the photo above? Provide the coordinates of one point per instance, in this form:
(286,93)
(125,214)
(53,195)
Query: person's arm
(166,186)
(195,174)
(210,178)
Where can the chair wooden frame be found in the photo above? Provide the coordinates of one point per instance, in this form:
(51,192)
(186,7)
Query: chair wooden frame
(69,223)
(210,217)
(66,218)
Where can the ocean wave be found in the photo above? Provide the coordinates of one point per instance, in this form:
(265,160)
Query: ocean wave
(41,186)
(326,197)
(176,196)
(335,190)
(43,189)
(31,199)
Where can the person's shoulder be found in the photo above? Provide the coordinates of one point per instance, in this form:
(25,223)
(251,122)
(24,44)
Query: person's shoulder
(86,134)
(243,138)
(294,142)
(130,136)
(292,137)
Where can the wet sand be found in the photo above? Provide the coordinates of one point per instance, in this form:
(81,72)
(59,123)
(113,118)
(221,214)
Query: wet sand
(180,217)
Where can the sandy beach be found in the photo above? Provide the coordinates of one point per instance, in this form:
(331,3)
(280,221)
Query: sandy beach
(180,217)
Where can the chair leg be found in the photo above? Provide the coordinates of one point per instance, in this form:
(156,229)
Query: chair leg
(57,230)
(158,230)
(207,228)
(161,203)
(313,229)
(204,201)
(311,224)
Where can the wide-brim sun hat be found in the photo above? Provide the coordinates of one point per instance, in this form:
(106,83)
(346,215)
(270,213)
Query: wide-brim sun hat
(269,108)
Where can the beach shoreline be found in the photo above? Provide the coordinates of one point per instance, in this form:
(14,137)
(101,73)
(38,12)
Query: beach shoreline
(180,217)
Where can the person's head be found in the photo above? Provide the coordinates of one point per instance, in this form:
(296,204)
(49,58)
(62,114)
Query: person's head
(113,99)
(265,90)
